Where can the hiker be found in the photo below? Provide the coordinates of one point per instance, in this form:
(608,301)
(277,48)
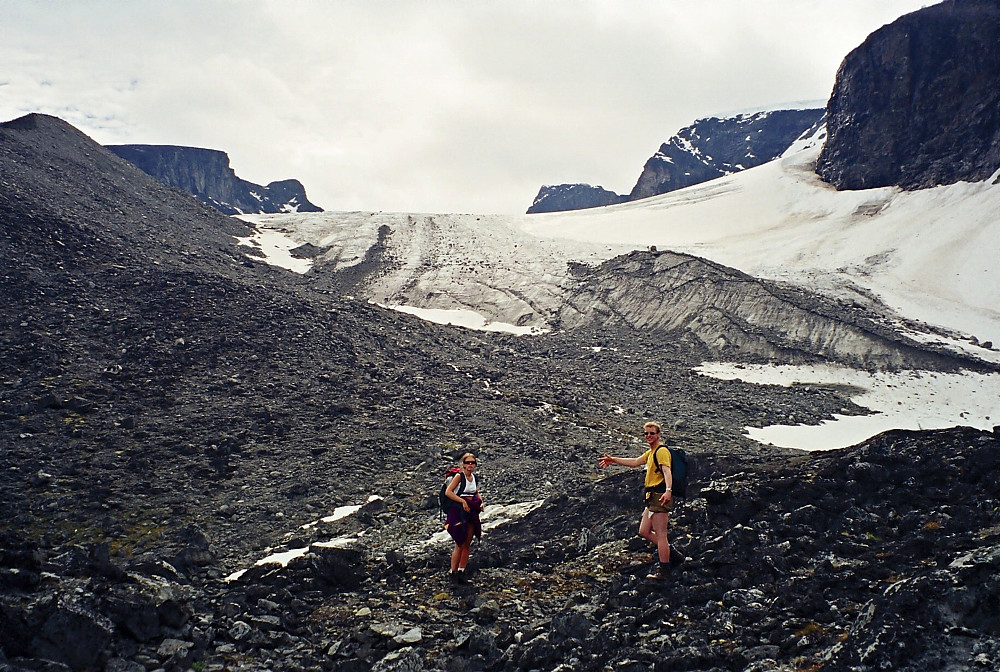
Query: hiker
(463,517)
(658,495)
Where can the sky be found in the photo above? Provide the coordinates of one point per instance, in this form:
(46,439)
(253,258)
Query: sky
(422,105)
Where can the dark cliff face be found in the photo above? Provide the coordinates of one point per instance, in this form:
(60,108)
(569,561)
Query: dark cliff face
(713,147)
(206,174)
(918,103)
(703,151)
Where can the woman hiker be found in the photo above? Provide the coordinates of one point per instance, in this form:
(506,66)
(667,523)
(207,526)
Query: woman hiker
(462,522)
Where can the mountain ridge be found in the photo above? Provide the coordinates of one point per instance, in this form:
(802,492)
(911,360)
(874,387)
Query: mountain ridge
(207,175)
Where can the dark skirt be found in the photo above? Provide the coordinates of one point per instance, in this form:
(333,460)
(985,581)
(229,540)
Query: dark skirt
(463,526)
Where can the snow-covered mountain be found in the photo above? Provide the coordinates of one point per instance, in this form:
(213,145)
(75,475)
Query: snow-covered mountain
(707,149)
(892,267)
(713,147)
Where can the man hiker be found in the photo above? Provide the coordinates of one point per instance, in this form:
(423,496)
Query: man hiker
(658,498)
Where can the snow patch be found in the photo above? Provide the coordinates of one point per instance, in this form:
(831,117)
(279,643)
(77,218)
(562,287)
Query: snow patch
(469,319)
(275,245)
(898,400)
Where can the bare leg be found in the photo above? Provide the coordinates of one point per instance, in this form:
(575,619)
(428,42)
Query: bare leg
(659,521)
(654,528)
(460,556)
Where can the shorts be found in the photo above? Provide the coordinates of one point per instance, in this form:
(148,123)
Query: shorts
(652,501)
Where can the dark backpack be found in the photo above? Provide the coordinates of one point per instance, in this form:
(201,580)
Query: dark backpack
(444,502)
(679,469)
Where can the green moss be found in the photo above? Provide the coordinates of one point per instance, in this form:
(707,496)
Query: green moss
(141,531)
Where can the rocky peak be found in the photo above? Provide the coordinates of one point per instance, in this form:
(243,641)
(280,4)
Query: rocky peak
(714,147)
(206,174)
(918,103)
(562,197)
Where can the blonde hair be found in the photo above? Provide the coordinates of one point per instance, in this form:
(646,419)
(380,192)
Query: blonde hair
(653,424)
(466,453)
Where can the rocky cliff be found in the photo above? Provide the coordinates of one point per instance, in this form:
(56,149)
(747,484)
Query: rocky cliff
(206,174)
(703,151)
(918,103)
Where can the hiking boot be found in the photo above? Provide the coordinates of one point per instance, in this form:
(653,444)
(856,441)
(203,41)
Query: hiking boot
(676,558)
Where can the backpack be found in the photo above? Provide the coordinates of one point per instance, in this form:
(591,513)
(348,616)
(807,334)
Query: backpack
(444,503)
(679,469)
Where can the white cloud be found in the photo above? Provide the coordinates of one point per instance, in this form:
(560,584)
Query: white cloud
(421,105)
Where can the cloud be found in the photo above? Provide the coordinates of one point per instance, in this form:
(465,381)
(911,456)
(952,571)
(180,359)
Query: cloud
(422,105)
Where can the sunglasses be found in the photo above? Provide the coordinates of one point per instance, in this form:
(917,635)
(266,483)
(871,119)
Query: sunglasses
(470,462)
(650,433)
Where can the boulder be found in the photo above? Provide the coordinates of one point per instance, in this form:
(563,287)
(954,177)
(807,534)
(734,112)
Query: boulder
(74,636)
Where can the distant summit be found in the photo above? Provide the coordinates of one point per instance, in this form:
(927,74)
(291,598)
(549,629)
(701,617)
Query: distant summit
(703,151)
(206,174)
(917,104)
(560,197)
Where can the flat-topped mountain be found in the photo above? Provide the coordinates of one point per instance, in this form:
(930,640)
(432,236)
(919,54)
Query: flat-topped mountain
(207,175)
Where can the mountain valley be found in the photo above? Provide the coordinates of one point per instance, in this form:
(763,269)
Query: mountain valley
(211,462)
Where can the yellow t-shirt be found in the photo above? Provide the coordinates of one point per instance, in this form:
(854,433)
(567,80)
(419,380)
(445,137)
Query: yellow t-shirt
(654,477)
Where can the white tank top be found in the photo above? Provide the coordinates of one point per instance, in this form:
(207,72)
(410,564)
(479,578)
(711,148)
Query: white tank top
(470,487)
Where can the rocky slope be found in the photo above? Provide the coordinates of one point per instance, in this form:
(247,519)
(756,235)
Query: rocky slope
(172,411)
(207,175)
(918,103)
(707,149)
(879,557)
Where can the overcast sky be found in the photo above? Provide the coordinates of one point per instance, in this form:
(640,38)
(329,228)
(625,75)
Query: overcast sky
(422,105)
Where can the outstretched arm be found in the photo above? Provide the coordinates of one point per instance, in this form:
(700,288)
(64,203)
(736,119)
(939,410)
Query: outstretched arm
(607,460)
